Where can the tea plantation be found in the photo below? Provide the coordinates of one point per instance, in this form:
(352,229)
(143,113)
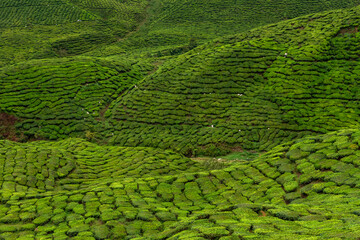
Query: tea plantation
(179,120)
(254,90)
(60,98)
(305,189)
(176,26)
(36,29)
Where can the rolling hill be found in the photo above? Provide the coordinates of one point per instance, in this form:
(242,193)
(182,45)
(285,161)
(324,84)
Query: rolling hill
(305,189)
(61,98)
(175,27)
(253,90)
(145,28)
(40,29)
(103,102)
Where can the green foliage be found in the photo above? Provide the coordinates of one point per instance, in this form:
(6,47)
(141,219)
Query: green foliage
(237,92)
(74,163)
(41,29)
(26,13)
(108,192)
(57,99)
(173,25)
(243,91)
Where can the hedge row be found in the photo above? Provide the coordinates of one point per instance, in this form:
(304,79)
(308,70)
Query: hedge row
(60,98)
(172,24)
(26,13)
(284,80)
(305,189)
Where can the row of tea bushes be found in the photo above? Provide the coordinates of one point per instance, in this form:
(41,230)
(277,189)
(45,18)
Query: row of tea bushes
(29,12)
(173,25)
(55,99)
(251,90)
(56,28)
(80,44)
(305,189)
(73,164)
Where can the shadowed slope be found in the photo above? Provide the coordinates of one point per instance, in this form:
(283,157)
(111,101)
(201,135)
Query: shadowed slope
(35,29)
(176,26)
(251,90)
(26,13)
(57,99)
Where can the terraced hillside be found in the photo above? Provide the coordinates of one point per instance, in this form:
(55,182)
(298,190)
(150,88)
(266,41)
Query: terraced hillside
(153,28)
(61,98)
(28,12)
(305,189)
(33,29)
(253,90)
(261,90)
(176,26)
(74,164)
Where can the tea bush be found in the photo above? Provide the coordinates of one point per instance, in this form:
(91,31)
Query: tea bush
(110,192)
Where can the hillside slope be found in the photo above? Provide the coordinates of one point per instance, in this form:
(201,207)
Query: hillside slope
(61,98)
(252,90)
(73,164)
(262,89)
(38,29)
(305,189)
(146,28)
(44,12)
(175,26)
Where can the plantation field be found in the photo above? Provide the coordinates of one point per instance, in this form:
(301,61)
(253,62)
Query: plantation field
(25,13)
(306,189)
(58,28)
(179,119)
(253,90)
(174,27)
(52,12)
(58,99)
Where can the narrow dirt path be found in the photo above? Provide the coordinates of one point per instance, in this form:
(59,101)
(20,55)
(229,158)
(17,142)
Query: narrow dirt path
(138,26)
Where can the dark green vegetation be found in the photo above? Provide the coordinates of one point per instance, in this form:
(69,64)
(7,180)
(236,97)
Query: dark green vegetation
(176,26)
(253,90)
(146,82)
(26,13)
(34,29)
(60,98)
(73,163)
(305,189)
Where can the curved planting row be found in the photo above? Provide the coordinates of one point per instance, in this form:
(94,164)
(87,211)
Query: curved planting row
(58,99)
(174,27)
(304,189)
(29,12)
(74,164)
(252,90)
(123,15)
(56,28)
